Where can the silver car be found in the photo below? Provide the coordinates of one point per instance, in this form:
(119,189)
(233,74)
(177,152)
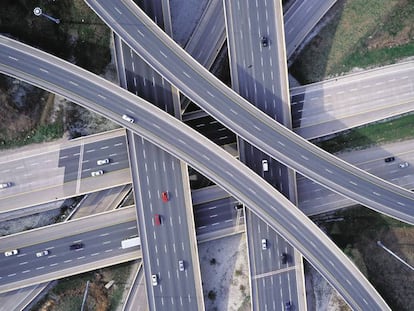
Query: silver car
(154,280)
(265,165)
(42,253)
(5,185)
(128,118)
(181,265)
(403,165)
(102,162)
(11,253)
(97,173)
(264,244)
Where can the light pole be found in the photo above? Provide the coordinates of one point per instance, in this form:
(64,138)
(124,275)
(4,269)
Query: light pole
(38,12)
(395,255)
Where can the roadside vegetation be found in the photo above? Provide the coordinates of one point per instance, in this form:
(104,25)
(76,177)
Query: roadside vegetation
(81,37)
(356,231)
(372,134)
(28,114)
(67,295)
(360,34)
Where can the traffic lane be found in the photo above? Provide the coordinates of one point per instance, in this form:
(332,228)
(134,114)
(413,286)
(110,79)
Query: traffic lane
(302,21)
(98,244)
(162,241)
(270,258)
(373,163)
(218,215)
(33,173)
(276,174)
(336,97)
(158,91)
(395,75)
(219,208)
(176,234)
(258,65)
(213,130)
(213,37)
(145,82)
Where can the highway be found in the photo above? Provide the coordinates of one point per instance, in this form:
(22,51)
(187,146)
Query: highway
(43,174)
(334,105)
(165,244)
(259,74)
(209,36)
(154,171)
(165,56)
(137,295)
(339,105)
(314,199)
(162,129)
(214,211)
(301,18)
(101,236)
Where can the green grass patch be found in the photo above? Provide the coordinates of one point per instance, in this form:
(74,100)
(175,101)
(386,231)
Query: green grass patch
(42,133)
(68,293)
(360,33)
(383,56)
(372,134)
(81,35)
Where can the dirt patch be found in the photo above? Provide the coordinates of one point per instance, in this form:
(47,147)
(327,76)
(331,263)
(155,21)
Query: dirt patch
(321,296)
(224,271)
(69,292)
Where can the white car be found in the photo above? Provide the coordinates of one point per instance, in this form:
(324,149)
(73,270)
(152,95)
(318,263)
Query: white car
(403,165)
(11,253)
(102,162)
(154,280)
(97,173)
(128,118)
(264,244)
(181,265)
(42,253)
(5,185)
(265,165)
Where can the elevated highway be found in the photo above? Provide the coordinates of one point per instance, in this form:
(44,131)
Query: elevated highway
(61,171)
(101,236)
(338,104)
(165,56)
(56,75)
(301,18)
(153,172)
(258,72)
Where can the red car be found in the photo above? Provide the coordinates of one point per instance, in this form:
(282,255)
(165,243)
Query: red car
(164,196)
(157,219)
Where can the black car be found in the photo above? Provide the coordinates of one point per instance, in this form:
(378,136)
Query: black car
(389,159)
(264,41)
(76,246)
(238,206)
(288,306)
(284,258)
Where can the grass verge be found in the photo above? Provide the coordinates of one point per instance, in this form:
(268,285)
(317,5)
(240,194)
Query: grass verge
(68,293)
(372,134)
(42,133)
(356,231)
(360,33)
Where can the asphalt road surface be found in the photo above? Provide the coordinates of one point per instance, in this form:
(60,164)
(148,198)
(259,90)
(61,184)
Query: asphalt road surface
(225,170)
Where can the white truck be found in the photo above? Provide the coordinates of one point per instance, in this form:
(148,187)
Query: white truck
(131,242)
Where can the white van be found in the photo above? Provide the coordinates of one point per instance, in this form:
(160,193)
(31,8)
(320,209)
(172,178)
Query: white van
(128,118)
(265,165)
